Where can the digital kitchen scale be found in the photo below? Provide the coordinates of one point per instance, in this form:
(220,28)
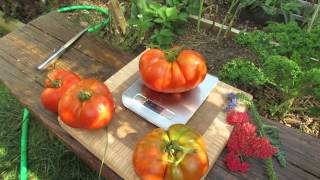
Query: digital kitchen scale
(162,109)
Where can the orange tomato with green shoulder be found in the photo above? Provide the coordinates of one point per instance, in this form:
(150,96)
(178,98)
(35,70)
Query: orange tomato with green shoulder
(177,154)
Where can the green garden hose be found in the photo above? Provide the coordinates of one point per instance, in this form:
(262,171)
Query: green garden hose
(92,28)
(24,137)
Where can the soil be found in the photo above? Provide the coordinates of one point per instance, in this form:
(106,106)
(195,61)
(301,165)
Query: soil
(216,11)
(216,53)
(27,10)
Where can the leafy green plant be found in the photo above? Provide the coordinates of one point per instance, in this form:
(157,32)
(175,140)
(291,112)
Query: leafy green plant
(286,40)
(282,73)
(287,77)
(276,7)
(242,72)
(188,6)
(138,29)
(164,18)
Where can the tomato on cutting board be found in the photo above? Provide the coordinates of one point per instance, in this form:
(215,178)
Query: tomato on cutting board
(88,105)
(177,154)
(56,84)
(173,71)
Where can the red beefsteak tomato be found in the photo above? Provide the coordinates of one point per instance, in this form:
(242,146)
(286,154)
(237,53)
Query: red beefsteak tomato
(56,84)
(173,71)
(87,104)
(178,154)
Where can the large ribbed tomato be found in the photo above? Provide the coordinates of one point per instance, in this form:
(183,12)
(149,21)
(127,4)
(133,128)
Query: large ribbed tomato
(56,84)
(173,71)
(87,104)
(176,154)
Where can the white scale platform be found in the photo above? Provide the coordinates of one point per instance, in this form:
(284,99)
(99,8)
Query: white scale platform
(164,110)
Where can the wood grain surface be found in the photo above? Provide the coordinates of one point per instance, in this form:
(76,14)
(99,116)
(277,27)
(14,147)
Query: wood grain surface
(126,128)
(23,49)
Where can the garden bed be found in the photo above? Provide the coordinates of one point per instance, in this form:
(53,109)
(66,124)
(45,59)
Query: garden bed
(219,53)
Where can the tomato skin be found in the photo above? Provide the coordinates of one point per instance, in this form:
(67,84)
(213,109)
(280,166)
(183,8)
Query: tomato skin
(92,113)
(51,95)
(148,156)
(151,157)
(184,73)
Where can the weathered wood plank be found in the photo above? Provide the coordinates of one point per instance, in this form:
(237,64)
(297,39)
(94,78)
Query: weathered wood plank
(302,149)
(34,46)
(58,26)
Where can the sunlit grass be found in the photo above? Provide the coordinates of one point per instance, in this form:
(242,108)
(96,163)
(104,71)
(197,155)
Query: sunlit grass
(48,158)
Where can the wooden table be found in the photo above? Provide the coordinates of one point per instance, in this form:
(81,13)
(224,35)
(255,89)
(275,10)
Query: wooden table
(23,49)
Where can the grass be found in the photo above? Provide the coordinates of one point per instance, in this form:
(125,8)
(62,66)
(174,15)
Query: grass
(48,158)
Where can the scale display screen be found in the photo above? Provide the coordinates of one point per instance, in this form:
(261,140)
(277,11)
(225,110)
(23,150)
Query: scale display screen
(155,107)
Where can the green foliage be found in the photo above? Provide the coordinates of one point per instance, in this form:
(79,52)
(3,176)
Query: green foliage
(287,77)
(258,41)
(163,37)
(188,6)
(270,169)
(272,134)
(276,7)
(282,72)
(291,61)
(164,19)
(309,83)
(286,40)
(2,32)
(242,71)
(138,29)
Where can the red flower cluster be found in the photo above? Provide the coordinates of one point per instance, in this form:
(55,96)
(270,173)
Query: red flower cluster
(244,142)
(235,117)
(234,163)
